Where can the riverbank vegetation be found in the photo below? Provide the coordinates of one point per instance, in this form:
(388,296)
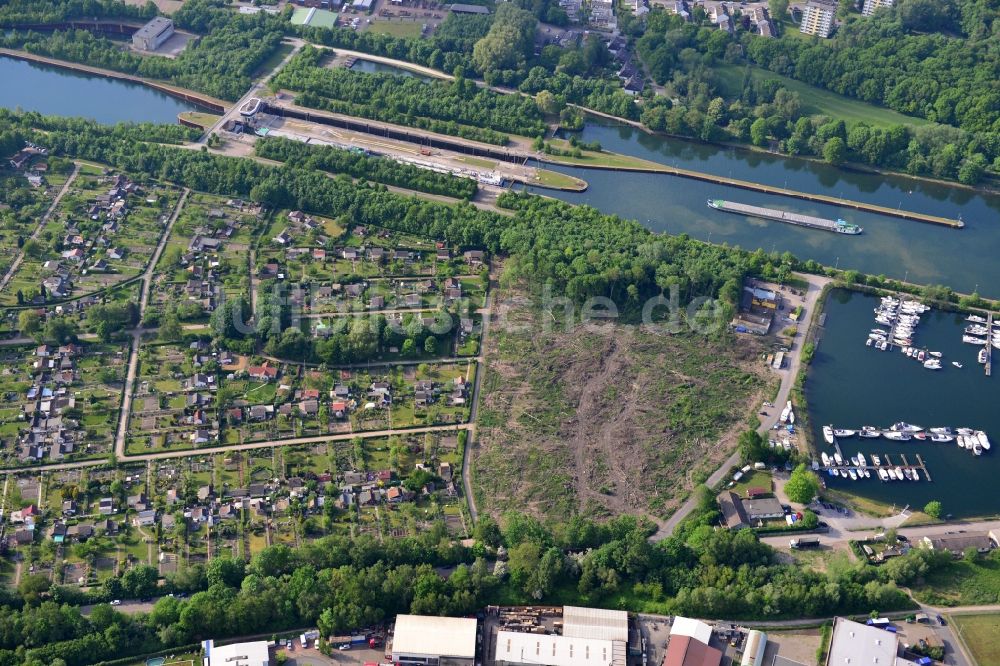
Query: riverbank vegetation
(459,107)
(221,62)
(698,65)
(583,74)
(361,165)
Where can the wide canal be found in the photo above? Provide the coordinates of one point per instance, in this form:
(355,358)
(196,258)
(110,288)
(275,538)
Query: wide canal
(851,385)
(53,90)
(963,259)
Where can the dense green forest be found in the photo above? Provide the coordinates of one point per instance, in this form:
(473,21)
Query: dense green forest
(14,12)
(360,165)
(874,59)
(220,62)
(579,75)
(342,584)
(458,107)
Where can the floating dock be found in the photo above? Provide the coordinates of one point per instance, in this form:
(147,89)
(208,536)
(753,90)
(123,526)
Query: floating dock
(797,219)
(989,343)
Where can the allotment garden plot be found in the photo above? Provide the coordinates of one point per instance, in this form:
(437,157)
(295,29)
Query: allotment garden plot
(59,403)
(103,232)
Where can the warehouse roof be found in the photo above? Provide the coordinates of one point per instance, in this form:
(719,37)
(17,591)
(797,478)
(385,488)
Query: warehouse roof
(696,629)
(855,643)
(609,625)
(515,647)
(435,636)
(154,27)
(237,654)
(686,651)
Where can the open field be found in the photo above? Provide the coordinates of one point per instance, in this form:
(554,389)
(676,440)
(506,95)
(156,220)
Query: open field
(625,421)
(981,634)
(165,6)
(817,101)
(405,29)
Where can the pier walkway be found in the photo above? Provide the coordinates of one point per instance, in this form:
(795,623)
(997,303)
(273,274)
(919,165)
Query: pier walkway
(989,343)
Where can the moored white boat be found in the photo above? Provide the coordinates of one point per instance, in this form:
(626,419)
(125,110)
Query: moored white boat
(842,432)
(941,438)
(897,436)
(882,474)
(825,458)
(876,460)
(854,474)
(982,440)
(869,432)
(828,434)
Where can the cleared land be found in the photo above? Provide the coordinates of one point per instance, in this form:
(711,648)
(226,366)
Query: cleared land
(981,634)
(584,422)
(817,101)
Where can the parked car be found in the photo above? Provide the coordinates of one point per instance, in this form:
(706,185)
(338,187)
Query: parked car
(116,602)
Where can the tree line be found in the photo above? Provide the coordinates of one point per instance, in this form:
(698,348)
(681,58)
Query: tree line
(574,74)
(453,107)
(341,584)
(696,64)
(221,62)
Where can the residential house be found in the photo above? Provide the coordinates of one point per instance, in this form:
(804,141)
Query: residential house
(263,373)
(957,543)
(144,518)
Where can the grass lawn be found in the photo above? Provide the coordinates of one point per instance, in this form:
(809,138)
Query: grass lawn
(963,583)
(817,101)
(405,29)
(477,161)
(275,58)
(204,119)
(981,634)
(754,479)
(603,159)
(554,179)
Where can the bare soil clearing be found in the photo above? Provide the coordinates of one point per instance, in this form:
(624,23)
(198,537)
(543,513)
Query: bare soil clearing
(605,423)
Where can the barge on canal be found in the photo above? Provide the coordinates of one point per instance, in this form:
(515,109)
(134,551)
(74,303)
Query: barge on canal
(839,226)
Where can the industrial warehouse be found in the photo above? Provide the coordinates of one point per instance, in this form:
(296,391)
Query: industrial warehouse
(568,636)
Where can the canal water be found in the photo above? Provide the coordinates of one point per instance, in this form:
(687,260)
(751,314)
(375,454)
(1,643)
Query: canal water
(963,259)
(56,91)
(851,385)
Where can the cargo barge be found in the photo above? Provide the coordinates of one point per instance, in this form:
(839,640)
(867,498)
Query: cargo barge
(837,226)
